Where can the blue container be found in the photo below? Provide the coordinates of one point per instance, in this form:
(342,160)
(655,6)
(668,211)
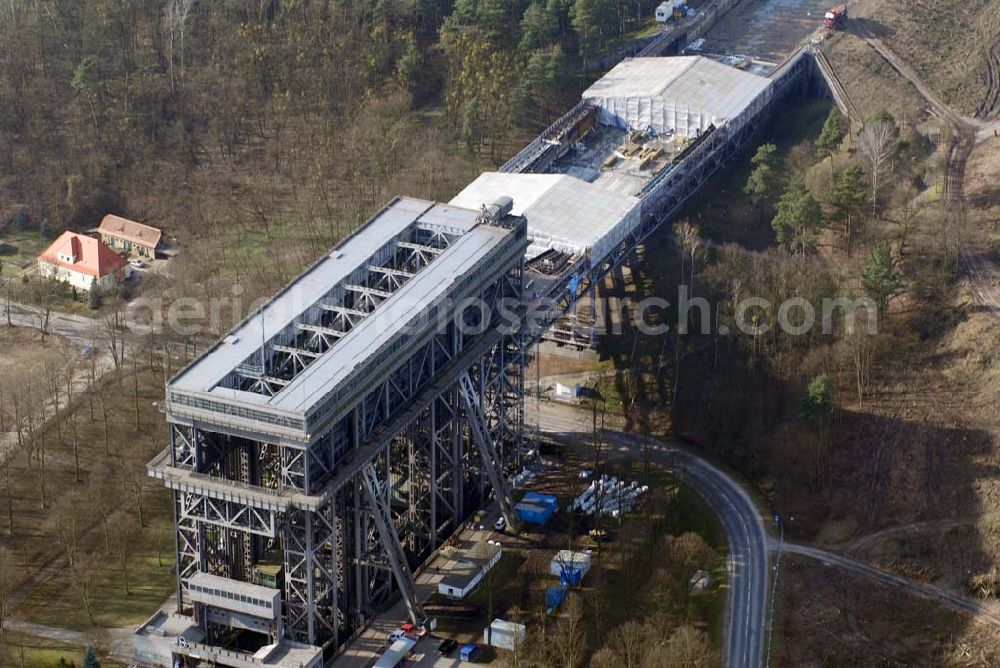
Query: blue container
(571,576)
(535,513)
(468,652)
(554,596)
(545,499)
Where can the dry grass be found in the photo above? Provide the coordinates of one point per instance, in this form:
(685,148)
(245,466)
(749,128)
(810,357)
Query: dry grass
(824,613)
(34,537)
(945,41)
(862,71)
(19,345)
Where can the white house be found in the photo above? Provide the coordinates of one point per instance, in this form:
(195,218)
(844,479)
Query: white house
(82,261)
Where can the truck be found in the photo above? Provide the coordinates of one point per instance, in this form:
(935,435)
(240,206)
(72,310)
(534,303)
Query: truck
(836,18)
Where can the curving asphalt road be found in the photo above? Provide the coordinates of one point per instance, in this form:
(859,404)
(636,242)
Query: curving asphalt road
(746,610)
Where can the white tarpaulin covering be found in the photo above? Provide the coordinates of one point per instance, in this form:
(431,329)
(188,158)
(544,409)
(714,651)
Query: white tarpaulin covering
(563,212)
(685,94)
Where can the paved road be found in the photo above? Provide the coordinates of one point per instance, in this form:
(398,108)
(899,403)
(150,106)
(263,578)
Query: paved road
(979,609)
(748,549)
(80,330)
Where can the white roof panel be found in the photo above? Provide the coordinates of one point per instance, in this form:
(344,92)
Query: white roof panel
(563,212)
(473,243)
(639,89)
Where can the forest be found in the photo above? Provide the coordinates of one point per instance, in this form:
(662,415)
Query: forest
(256,133)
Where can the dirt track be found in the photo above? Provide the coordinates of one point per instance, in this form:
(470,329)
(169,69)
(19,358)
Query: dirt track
(967,132)
(981,611)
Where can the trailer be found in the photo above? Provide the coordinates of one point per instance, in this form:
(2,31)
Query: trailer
(670,10)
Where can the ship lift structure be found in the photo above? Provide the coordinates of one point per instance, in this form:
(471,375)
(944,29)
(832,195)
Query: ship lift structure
(323,449)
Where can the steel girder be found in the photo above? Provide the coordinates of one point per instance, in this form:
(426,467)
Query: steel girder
(487,450)
(376,494)
(228,514)
(291,351)
(313,562)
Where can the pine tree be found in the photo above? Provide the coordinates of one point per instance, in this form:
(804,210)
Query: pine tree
(90,658)
(849,192)
(94,298)
(818,401)
(834,129)
(762,180)
(880,277)
(798,219)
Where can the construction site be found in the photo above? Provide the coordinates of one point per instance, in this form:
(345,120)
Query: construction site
(325,450)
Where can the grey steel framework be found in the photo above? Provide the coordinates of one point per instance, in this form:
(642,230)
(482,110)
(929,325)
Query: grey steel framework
(349,493)
(574,287)
(345,430)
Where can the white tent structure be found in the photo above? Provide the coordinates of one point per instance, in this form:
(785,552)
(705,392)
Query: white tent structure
(683,94)
(563,212)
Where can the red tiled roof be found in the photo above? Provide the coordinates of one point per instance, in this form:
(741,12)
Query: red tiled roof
(92,257)
(137,233)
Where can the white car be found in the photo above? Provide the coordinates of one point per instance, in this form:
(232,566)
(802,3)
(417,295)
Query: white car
(393,636)
(500,524)
(136,263)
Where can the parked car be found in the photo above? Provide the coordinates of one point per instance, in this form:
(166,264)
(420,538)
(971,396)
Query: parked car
(500,524)
(395,635)
(446,647)
(136,263)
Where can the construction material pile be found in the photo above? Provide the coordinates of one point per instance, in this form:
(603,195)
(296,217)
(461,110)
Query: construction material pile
(609,496)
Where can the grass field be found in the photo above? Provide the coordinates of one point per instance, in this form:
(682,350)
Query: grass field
(57,602)
(29,243)
(114,476)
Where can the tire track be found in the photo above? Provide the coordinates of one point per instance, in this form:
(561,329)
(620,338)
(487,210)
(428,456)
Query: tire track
(988,107)
(976,264)
(979,610)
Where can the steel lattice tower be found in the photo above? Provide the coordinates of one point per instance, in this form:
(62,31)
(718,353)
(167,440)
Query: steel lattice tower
(340,434)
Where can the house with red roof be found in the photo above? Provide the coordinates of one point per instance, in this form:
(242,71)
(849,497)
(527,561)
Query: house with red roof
(123,234)
(83,262)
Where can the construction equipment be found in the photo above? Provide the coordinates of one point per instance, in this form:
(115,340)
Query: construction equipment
(836,18)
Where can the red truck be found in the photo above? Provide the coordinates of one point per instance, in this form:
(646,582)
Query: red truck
(836,18)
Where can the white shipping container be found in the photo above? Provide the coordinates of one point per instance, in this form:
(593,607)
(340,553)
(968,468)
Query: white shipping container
(505,635)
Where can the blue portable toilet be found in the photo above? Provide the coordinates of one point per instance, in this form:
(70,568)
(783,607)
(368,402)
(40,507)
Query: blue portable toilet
(554,596)
(571,576)
(468,652)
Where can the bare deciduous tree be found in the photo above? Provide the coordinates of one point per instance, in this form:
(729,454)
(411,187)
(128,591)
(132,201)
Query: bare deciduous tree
(7,582)
(628,642)
(124,531)
(177,12)
(569,640)
(878,142)
(84,572)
